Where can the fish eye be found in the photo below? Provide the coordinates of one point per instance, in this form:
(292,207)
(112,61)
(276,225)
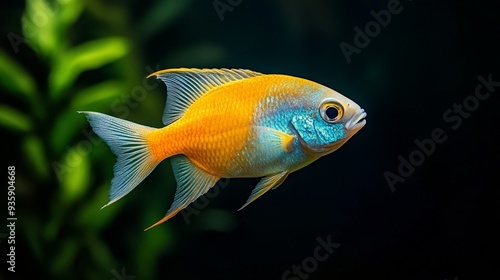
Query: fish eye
(331,112)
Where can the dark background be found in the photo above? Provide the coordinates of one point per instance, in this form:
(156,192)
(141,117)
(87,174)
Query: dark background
(440,223)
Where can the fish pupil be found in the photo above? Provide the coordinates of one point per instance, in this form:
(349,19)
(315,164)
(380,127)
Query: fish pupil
(332,113)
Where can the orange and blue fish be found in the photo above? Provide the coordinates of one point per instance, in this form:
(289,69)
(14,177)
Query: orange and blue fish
(229,123)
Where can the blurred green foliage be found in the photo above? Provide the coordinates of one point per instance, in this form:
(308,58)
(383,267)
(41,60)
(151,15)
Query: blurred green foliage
(47,25)
(59,148)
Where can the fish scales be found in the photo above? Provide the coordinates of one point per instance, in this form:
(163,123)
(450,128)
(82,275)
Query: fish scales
(229,123)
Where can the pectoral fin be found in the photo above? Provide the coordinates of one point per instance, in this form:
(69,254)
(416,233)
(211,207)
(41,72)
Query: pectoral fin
(265,184)
(274,140)
(192,182)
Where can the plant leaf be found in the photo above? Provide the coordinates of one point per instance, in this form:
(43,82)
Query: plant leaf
(14,119)
(91,216)
(68,13)
(35,154)
(87,56)
(74,174)
(100,252)
(152,247)
(67,124)
(39,26)
(32,227)
(94,98)
(98,96)
(64,256)
(45,24)
(14,78)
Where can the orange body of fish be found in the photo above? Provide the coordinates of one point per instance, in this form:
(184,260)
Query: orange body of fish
(227,123)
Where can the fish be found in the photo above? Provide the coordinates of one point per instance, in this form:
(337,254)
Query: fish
(228,123)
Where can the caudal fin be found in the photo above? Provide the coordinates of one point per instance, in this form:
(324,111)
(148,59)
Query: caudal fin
(127,141)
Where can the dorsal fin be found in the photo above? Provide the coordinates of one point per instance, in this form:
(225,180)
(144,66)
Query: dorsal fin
(185,86)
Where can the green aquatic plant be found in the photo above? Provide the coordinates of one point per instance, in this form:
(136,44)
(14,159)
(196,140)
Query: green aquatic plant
(60,221)
(52,167)
(66,56)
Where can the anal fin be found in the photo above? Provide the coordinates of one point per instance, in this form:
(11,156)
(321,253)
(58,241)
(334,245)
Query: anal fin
(265,184)
(192,182)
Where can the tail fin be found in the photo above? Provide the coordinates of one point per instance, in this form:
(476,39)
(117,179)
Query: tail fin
(127,141)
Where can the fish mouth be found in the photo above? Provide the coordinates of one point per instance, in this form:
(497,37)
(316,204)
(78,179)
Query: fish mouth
(357,121)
